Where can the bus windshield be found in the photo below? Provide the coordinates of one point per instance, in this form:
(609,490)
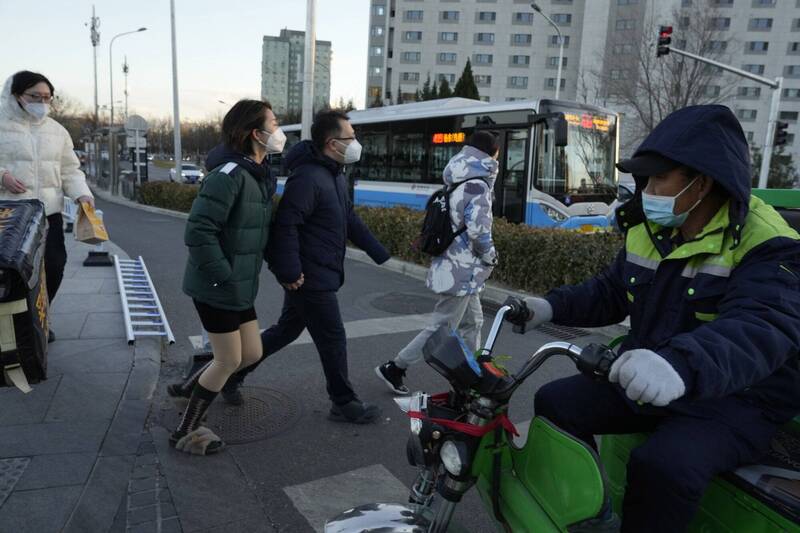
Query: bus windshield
(582,171)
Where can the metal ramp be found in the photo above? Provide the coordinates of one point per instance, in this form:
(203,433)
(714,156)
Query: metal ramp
(144,316)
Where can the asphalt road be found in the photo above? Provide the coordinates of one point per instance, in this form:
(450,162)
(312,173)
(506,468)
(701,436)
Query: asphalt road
(313,447)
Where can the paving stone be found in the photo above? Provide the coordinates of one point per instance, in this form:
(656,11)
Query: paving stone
(57,470)
(104,326)
(67,325)
(147,459)
(89,355)
(146,447)
(53,437)
(99,303)
(19,408)
(143,499)
(107,487)
(110,286)
(87,396)
(123,435)
(145,471)
(144,527)
(142,514)
(168,510)
(39,510)
(172,525)
(80,286)
(140,485)
(11,470)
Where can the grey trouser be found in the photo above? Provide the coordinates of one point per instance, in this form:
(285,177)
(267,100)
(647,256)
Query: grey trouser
(462,313)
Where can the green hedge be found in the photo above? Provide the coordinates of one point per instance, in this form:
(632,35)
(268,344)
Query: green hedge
(532,259)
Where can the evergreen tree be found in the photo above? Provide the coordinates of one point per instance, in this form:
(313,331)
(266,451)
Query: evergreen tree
(434,92)
(444,89)
(465,86)
(417,96)
(782,172)
(426,89)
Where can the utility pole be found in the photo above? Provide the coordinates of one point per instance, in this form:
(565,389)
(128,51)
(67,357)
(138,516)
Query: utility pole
(94,25)
(175,112)
(310,56)
(125,72)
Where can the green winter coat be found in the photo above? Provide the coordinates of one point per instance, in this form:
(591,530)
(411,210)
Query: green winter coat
(226,235)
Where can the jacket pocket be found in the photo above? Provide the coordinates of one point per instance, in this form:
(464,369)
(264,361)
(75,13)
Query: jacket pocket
(703,295)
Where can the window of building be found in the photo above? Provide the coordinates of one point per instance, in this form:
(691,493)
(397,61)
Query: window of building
(755,47)
(414,15)
(759,24)
(485,17)
(792,70)
(755,69)
(518,82)
(748,92)
(721,3)
(519,61)
(618,74)
(410,76)
(446,57)
(553,42)
(483,80)
(625,24)
(520,39)
(484,98)
(791,116)
(448,37)
(482,59)
(553,61)
(763,3)
(550,83)
(791,93)
(622,49)
(712,90)
(376,51)
(684,23)
(747,114)
(448,16)
(412,36)
(793,48)
(411,57)
(795,24)
(627,2)
(716,46)
(484,38)
(790,139)
(377,30)
(451,78)
(374,92)
(562,19)
(375,71)
(379,10)
(719,23)
(522,18)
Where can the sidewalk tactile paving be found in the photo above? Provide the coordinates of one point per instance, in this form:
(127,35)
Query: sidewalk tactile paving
(10,472)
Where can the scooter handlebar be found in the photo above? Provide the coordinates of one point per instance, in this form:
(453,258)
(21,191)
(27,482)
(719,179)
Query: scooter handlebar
(518,314)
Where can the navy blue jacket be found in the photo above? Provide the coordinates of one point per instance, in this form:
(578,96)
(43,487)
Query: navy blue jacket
(722,308)
(315,219)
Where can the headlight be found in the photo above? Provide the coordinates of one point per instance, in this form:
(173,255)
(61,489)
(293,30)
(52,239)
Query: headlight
(553,213)
(451,458)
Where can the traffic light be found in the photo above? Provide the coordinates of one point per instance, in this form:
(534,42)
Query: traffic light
(664,40)
(781,135)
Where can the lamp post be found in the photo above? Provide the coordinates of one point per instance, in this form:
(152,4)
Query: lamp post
(111,69)
(176,116)
(560,45)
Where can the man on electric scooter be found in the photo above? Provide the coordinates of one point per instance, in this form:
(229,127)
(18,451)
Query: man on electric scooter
(710,277)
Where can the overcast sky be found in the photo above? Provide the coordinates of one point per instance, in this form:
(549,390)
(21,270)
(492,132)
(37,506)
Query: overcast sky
(219,48)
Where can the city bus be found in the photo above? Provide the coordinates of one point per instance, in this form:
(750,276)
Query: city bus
(556,157)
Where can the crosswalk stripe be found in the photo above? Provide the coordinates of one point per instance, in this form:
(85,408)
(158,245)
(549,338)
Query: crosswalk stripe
(325,498)
(359,328)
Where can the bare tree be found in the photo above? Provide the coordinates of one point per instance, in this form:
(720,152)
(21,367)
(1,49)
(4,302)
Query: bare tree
(651,88)
(75,118)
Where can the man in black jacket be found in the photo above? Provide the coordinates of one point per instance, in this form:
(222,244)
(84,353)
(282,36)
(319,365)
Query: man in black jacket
(306,250)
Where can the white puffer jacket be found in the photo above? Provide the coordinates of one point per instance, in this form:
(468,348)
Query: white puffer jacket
(38,153)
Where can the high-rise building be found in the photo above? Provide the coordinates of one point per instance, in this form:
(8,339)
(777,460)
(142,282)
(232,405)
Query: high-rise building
(514,51)
(282,67)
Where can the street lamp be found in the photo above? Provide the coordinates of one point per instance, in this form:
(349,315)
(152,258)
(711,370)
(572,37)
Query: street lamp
(560,45)
(111,68)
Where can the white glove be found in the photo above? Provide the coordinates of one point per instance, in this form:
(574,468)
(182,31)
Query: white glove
(542,310)
(647,377)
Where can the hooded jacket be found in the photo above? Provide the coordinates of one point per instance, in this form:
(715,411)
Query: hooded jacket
(38,153)
(227,231)
(315,218)
(722,308)
(469,260)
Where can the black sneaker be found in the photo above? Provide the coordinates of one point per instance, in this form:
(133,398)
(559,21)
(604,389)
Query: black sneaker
(355,412)
(392,375)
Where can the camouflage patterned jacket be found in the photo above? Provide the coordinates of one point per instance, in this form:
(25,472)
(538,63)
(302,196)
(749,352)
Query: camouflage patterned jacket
(464,267)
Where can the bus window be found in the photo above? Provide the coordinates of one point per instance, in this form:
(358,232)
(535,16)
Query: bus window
(408,157)
(374,156)
(440,156)
(276,160)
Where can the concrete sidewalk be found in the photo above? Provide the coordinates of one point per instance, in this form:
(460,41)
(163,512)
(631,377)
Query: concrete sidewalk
(72,452)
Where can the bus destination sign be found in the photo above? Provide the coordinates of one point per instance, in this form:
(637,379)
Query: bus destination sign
(448,138)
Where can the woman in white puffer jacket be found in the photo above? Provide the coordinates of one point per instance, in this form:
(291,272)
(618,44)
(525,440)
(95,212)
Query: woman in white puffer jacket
(37,161)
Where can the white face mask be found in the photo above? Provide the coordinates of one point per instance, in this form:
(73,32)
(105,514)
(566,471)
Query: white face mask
(352,152)
(37,110)
(275,142)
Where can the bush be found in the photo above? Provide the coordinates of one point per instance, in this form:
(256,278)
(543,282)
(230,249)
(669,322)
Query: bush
(532,259)
(169,195)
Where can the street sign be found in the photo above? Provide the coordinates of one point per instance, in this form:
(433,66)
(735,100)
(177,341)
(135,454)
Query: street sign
(137,123)
(137,127)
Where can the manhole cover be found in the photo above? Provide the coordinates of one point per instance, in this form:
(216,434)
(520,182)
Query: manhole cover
(10,472)
(565,333)
(403,303)
(265,413)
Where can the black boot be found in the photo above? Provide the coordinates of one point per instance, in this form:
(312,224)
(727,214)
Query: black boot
(190,437)
(230,392)
(184,389)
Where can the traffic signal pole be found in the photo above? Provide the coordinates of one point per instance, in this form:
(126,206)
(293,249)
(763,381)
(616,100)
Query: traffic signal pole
(775,85)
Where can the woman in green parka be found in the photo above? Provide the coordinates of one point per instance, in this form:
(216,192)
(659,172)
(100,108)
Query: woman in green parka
(226,235)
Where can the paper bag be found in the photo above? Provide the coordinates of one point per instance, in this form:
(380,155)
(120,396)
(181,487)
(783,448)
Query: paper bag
(89,228)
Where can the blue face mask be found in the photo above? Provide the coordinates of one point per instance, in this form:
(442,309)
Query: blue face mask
(661,209)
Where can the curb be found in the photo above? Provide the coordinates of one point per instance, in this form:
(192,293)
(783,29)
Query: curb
(493,295)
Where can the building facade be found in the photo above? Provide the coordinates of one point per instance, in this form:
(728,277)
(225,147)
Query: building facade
(282,67)
(514,51)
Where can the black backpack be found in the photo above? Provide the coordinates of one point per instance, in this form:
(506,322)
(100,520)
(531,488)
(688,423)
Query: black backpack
(437,229)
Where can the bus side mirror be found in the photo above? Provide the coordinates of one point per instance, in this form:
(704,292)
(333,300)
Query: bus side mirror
(560,131)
